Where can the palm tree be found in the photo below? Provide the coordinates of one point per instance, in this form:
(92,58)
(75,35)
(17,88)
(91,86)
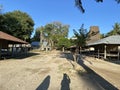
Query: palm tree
(79,5)
(81,36)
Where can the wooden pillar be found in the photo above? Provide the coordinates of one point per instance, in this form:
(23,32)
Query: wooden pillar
(118,52)
(20,49)
(25,50)
(63,49)
(98,54)
(105,52)
(12,50)
(0,50)
(15,52)
(118,55)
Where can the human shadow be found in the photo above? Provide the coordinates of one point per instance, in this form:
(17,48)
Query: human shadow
(65,83)
(95,78)
(45,84)
(90,76)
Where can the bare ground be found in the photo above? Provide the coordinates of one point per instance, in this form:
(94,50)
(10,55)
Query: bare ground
(109,71)
(56,71)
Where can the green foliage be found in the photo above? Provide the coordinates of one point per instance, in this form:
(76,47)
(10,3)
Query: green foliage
(63,42)
(81,36)
(102,36)
(53,32)
(37,33)
(115,31)
(56,28)
(18,24)
(72,42)
(2,23)
(78,4)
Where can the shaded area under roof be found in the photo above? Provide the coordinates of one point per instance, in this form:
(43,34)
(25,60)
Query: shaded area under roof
(115,39)
(35,43)
(8,37)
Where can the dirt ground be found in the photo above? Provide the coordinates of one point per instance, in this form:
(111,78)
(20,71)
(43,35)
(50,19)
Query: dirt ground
(56,71)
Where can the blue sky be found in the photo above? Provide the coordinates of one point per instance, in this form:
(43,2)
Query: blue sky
(104,15)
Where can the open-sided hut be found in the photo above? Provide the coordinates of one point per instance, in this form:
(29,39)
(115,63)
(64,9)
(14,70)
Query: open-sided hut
(107,47)
(6,40)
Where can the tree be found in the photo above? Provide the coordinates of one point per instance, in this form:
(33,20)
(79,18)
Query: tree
(79,5)
(1,8)
(53,32)
(38,31)
(102,36)
(18,24)
(2,23)
(81,36)
(80,42)
(63,43)
(115,31)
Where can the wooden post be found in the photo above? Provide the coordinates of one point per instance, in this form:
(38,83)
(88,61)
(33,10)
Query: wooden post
(15,50)
(118,52)
(98,54)
(46,48)
(63,49)
(0,50)
(25,50)
(12,50)
(105,52)
(118,55)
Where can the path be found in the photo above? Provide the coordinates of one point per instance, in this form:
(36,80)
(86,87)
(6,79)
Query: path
(45,71)
(109,71)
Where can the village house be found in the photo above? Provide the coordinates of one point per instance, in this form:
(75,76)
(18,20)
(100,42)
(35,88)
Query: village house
(11,46)
(108,47)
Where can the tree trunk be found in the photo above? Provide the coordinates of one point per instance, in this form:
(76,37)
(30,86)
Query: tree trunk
(52,44)
(41,39)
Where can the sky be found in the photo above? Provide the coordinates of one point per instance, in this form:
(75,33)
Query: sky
(104,15)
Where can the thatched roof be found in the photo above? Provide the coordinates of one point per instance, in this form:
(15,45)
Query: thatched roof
(94,34)
(5,36)
(114,40)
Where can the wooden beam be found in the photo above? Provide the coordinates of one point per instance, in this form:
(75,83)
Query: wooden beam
(105,51)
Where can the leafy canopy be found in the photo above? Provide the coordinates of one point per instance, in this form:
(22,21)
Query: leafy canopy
(115,31)
(79,5)
(63,42)
(54,32)
(18,24)
(81,36)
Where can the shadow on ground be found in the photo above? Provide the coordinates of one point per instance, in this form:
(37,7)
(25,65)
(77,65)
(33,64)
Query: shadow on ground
(45,84)
(22,56)
(65,83)
(91,76)
(67,55)
(115,62)
(19,56)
